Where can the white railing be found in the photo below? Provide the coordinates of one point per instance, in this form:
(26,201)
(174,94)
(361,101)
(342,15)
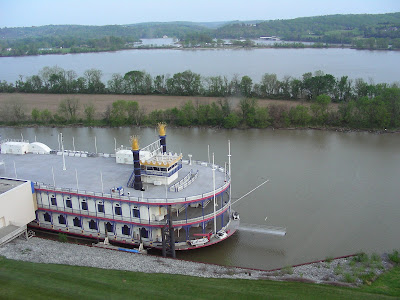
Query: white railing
(40,186)
(14,140)
(132,219)
(184,182)
(154,148)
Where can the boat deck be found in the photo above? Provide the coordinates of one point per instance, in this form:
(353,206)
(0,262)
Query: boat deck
(84,174)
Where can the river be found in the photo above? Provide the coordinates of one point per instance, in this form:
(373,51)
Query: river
(336,193)
(375,66)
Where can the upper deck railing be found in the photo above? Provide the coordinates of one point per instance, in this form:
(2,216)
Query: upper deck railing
(140,221)
(154,201)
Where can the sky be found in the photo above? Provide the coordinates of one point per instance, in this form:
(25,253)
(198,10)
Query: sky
(25,13)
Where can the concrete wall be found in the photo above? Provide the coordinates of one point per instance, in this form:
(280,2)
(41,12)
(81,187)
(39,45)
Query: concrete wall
(17,205)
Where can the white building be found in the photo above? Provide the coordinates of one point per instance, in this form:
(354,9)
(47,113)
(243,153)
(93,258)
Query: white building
(17,207)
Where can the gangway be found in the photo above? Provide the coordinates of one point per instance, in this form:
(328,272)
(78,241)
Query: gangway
(10,232)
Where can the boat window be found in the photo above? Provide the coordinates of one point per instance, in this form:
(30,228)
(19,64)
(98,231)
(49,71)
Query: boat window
(53,200)
(84,205)
(100,207)
(47,217)
(68,203)
(126,230)
(77,222)
(109,227)
(136,212)
(61,219)
(144,233)
(93,225)
(118,210)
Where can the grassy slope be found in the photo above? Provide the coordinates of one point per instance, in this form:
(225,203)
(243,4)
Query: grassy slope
(23,280)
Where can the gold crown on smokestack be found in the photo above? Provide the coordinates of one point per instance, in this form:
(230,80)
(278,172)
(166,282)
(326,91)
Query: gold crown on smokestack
(135,142)
(161,129)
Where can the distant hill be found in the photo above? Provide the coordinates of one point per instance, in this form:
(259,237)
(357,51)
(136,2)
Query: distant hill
(331,28)
(363,31)
(377,25)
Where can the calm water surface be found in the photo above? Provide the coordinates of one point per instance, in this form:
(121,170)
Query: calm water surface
(377,66)
(337,193)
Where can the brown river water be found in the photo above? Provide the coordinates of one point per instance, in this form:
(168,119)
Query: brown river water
(336,193)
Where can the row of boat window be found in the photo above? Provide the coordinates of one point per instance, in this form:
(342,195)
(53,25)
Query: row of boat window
(126,230)
(100,207)
(150,168)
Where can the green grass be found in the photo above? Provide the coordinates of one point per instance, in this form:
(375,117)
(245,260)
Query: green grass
(24,280)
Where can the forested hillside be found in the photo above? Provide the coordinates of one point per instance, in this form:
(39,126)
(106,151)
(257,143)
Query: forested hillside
(332,29)
(380,31)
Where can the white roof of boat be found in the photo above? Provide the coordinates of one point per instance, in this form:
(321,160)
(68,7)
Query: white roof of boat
(40,168)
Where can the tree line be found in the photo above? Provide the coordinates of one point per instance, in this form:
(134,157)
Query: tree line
(187,83)
(367,112)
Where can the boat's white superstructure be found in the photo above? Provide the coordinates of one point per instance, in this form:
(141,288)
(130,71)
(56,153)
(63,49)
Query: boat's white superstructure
(152,195)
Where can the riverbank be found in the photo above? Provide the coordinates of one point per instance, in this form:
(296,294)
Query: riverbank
(345,271)
(281,45)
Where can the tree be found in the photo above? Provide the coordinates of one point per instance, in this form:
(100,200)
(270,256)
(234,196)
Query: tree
(320,108)
(216,86)
(319,84)
(116,84)
(296,88)
(93,80)
(346,113)
(12,111)
(248,110)
(138,82)
(89,110)
(391,98)
(343,89)
(118,113)
(68,108)
(269,85)
(35,115)
(186,83)
(246,85)
(160,85)
(132,108)
(231,121)
(45,116)
(261,119)
(299,115)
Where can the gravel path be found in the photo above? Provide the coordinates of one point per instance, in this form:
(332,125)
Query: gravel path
(47,251)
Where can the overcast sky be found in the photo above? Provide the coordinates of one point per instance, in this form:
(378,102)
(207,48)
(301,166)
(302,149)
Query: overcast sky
(17,13)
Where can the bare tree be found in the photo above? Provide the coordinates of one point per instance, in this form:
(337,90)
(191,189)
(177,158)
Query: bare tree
(68,108)
(12,110)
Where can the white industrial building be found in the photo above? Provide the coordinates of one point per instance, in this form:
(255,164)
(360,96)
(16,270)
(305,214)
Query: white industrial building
(17,207)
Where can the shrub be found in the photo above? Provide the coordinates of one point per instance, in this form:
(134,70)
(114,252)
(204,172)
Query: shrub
(287,270)
(329,259)
(62,237)
(338,270)
(394,257)
(349,278)
(367,277)
(361,257)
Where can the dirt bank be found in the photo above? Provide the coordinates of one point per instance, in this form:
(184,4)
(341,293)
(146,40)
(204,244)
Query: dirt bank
(147,102)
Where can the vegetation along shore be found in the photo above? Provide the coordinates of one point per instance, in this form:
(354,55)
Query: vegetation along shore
(58,97)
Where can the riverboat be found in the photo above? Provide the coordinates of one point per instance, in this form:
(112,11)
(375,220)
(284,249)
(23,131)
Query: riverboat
(148,196)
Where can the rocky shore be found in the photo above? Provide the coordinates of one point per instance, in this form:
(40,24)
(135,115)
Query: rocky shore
(344,271)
